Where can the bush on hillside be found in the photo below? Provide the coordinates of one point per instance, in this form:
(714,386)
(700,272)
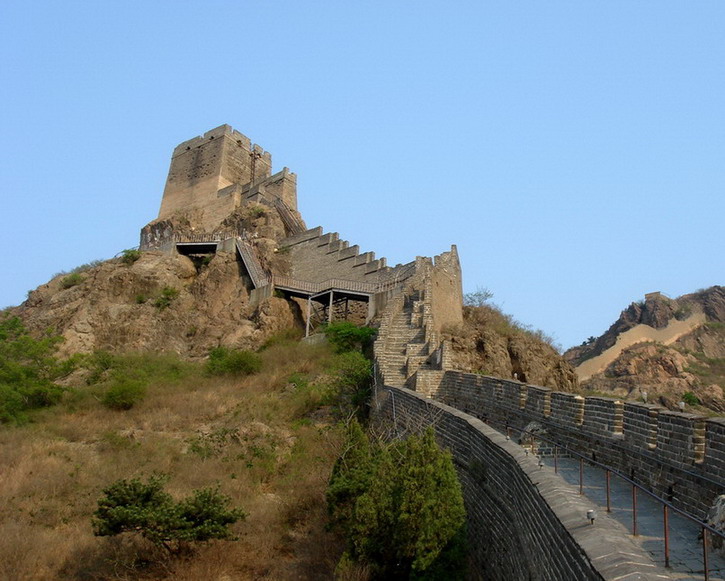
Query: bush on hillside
(124,393)
(28,369)
(167,296)
(345,336)
(71,280)
(224,361)
(130,256)
(352,382)
(410,523)
(145,508)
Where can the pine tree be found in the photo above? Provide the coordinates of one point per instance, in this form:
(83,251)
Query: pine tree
(401,507)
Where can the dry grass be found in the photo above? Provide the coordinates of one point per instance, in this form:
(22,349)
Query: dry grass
(250,436)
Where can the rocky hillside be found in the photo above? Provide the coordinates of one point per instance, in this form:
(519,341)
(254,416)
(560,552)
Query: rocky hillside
(671,349)
(491,343)
(165,301)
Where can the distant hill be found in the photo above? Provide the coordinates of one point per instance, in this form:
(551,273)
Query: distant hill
(670,349)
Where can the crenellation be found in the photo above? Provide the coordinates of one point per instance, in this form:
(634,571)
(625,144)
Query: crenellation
(681,437)
(523,523)
(364,258)
(538,402)
(510,394)
(567,408)
(677,455)
(640,424)
(349,252)
(715,445)
(603,415)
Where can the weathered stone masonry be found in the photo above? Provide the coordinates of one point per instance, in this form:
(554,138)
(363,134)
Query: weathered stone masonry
(524,523)
(678,456)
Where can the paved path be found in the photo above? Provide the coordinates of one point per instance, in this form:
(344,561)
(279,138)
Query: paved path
(685,548)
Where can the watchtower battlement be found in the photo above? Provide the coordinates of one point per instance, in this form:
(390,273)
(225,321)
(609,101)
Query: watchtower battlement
(213,172)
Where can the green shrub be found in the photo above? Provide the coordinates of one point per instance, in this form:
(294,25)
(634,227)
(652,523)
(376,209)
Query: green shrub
(345,336)
(141,299)
(71,280)
(81,268)
(683,311)
(478,298)
(28,369)
(224,361)
(145,508)
(352,383)
(130,256)
(257,211)
(690,398)
(123,379)
(124,393)
(283,337)
(411,523)
(168,294)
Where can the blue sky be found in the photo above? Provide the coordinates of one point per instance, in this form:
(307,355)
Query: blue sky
(572,150)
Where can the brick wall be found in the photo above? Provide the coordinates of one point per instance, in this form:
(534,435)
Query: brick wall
(204,165)
(524,522)
(678,456)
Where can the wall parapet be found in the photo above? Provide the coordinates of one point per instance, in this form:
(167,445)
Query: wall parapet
(677,456)
(523,522)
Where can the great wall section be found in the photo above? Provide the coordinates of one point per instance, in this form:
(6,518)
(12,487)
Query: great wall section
(525,522)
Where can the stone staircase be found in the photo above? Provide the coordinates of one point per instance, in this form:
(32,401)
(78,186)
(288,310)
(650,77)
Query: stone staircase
(404,348)
(290,220)
(316,256)
(251,263)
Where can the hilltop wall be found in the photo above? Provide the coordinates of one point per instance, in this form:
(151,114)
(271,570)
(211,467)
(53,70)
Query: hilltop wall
(213,174)
(523,522)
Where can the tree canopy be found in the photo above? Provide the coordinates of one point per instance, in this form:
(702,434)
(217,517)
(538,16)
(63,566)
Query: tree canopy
(400,506)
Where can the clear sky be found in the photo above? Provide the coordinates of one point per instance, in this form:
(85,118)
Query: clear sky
(574,151)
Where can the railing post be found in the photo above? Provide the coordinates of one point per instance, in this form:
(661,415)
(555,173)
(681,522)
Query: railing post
(704,554)
(556,459)
(581,475)
(609,497)
(666,518)
(634,510)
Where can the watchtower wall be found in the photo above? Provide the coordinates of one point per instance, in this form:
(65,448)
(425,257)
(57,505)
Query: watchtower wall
(215,173)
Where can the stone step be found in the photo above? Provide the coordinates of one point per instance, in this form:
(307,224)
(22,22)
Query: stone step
(417,350)
(327,238)
(310,234)
(364,259)
(349,252)
(375,266)
(336,246)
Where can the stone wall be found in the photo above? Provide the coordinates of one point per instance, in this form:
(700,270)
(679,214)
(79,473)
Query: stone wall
(678,456)
(317,257)
(446,289)
(203,166)
(524,522)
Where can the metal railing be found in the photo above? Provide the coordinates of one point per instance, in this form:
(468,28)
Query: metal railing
(293,223)
(706,530)
(258,275)
(218,236)
(368,288)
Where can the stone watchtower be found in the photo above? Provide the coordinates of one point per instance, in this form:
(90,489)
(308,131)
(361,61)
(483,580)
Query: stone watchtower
(212,175)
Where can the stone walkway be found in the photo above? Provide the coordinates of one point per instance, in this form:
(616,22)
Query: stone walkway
(685,548)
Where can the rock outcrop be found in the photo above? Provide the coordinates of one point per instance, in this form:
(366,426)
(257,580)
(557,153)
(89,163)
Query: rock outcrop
(161,302)
(490,343)
(688,365)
